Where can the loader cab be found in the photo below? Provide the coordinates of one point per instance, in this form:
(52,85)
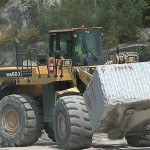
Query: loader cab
(82,45)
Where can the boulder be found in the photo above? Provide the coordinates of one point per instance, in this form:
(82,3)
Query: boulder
(118,98)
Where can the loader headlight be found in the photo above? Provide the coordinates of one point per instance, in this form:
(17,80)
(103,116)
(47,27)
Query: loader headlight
(130,58)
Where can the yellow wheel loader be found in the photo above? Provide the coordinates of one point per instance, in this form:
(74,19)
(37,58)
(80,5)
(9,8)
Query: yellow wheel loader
(49,93)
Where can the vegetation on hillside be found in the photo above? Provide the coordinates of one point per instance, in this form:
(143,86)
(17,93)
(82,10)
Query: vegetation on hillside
(121,20)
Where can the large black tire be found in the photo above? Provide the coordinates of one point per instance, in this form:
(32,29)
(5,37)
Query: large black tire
(20,120)
(49,130)
(133,141)
(71,123)
(138,140)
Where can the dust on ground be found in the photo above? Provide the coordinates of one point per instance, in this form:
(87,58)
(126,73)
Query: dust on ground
(100,142)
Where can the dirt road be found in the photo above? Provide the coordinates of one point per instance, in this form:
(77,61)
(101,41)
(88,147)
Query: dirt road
(100,142)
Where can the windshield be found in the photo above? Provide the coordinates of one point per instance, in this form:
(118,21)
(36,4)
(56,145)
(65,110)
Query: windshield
(90,42)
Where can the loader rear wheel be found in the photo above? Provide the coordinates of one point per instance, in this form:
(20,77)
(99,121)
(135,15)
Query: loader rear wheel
(71,123)
(133,140)
(20,121)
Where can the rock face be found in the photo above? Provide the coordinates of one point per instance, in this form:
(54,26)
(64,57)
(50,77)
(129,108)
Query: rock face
(118,95)
(145,34)
(18,12)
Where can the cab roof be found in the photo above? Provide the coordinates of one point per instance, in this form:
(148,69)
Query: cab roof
(71,29)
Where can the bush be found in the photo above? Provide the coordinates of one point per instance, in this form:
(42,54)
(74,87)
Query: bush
(128,36)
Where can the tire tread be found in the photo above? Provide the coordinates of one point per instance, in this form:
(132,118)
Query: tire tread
(81,131)
(33,123)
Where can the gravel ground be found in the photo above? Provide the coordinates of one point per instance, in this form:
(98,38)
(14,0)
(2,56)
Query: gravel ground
(100,142)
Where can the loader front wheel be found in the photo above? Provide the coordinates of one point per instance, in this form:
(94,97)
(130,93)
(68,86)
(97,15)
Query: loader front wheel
(49,130)
(20,121)
(133,141)
(71,123)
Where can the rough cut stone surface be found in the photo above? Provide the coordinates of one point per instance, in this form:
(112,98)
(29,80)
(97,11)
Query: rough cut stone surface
(113,90)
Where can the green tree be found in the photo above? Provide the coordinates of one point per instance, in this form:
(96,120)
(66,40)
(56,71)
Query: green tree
(75,13)
(130,18)
(3,3)
(107,14)
(68,13)
(121,18)
(33,11)
(2,19)
(146,14)
(49,18)
(15,16)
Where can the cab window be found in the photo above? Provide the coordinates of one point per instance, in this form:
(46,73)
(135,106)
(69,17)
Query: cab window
(65,45)
(61,42)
